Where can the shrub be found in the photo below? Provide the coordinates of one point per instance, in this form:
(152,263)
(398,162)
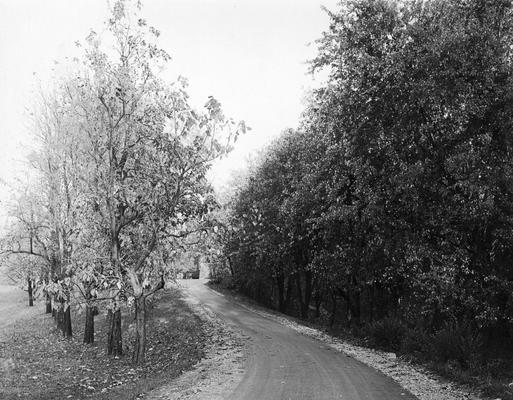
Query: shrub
(415,342)
(456,342)
(387,333)
(227,282)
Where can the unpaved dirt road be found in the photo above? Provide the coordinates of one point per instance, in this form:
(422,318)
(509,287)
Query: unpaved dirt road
(282,364)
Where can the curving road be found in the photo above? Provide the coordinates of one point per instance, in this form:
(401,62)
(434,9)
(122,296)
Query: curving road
(283,364)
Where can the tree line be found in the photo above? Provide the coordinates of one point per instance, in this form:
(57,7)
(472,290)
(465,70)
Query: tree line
(390,206)
(118,180)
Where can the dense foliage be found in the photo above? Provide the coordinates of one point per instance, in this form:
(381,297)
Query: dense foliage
(119,179)
(391,204)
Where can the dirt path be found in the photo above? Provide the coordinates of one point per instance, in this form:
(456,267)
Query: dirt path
(218,372)
(283,364)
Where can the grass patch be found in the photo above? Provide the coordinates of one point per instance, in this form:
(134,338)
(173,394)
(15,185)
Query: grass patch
(39,364)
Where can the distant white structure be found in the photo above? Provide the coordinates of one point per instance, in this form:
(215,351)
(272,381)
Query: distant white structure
(204,268)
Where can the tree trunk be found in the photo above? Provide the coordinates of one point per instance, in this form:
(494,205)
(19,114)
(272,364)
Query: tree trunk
(371,304)
(230,265)
(303,309)
(66,325)
(60,316)
(353,306)
(318,302)
(114,342)
(110,318)
(54,309)
(308,290)
(357,307)
(333,309)
(140,331)
(48,299)
(89,325)
(290,285)
(280,283)
(48,302)
(349,314)
(306,295)
(30,293)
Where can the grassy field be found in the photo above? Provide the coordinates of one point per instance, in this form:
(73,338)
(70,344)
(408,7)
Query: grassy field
(36,362)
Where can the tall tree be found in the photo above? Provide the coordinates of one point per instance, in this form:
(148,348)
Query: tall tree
(395,196)
(146,151)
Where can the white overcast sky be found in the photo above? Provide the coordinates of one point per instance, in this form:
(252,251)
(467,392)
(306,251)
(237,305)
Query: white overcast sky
(249,54)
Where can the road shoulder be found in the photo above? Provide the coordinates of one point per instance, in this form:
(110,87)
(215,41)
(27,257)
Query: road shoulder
(218,373)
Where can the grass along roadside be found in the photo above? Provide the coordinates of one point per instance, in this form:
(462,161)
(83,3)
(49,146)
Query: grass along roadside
(37,363)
